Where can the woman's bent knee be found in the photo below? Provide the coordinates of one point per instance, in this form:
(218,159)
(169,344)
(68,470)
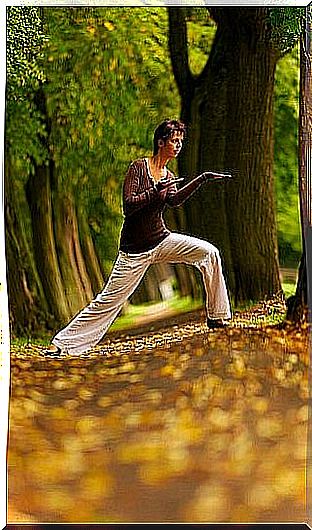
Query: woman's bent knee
(212,251)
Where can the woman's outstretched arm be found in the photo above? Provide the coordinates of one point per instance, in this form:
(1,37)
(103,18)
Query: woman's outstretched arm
(177,197)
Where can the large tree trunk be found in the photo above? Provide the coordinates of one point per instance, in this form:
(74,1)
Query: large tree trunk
(250,207)
(56,239)
(228,108)
(203,109)
(38,194)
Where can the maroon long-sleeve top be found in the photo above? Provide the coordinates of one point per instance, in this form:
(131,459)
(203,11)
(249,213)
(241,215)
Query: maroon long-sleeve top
(143,207)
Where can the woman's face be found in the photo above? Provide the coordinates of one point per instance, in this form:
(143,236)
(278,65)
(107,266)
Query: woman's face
(173,145)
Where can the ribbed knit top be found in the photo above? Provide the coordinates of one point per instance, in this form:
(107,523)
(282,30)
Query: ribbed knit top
(143,207)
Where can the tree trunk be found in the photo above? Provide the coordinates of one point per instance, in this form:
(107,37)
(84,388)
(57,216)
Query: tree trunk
(228,108)
(206,210)
(249,152)
(76,282)
(38,194)
(22,310)
(90,256)
(297,304)
(148,289)
(28,307)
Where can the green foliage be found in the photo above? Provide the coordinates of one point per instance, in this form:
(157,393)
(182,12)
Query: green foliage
(24,47)
(108,85)
(25,127)
(286,157)
(200,33)
(289,289)
(286,24)
(102,89)
(106,77)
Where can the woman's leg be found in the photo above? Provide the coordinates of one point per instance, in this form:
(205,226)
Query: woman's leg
(89,326)
(179,248)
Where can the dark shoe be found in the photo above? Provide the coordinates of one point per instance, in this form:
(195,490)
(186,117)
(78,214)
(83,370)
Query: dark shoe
(52,352)
(214,323)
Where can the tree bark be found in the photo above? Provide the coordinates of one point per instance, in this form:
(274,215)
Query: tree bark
(297,304)
(203,109)
(38,193)
(75,279)
(90,255)
(249,151)
(24,315)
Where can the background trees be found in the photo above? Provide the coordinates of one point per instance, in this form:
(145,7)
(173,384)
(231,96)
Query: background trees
(83,100)
(24,126)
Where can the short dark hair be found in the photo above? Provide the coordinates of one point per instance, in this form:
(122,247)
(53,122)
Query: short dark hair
(165,130)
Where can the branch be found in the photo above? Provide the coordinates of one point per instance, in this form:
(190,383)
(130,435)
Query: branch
(178,51)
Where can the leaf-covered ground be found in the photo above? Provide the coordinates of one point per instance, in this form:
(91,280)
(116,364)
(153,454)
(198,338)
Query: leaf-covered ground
(170,423)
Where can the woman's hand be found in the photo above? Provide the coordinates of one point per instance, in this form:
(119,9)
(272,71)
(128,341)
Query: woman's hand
(161,187)
(213,175)
(162,184)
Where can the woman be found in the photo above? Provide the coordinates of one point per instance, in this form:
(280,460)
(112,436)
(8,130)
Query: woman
(148,188)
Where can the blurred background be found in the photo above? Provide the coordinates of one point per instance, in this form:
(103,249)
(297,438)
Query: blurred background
(86,88)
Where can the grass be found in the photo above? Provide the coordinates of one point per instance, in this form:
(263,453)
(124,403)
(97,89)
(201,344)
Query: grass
(177,304)
(289,289)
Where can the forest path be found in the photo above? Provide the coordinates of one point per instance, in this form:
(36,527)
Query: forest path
(175,424)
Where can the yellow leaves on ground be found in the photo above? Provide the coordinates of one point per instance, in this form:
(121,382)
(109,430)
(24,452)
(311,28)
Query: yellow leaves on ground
(85,394)
(260,405)
(167,370)
(269,427)
(219,418)
(96,485)
(210,502)
(207,425)
(237,368)
(262,496)
(104,402)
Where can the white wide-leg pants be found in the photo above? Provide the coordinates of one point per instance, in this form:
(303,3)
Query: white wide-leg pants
(89,326)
